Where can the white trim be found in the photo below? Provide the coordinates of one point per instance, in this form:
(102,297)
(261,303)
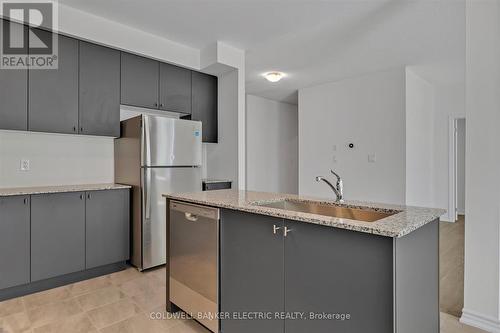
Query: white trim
(480,321)
(450,216)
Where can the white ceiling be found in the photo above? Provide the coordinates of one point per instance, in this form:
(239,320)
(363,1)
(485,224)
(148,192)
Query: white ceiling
(311,41)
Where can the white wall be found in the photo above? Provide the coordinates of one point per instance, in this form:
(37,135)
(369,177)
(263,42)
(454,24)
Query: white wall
(272,145)
(461,166)
(222,158)
(55,159)
(419,141)
(368,111)
(482,232)
(449,102)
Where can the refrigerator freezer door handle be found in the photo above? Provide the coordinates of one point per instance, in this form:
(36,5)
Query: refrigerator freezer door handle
(146,130)
(147,194)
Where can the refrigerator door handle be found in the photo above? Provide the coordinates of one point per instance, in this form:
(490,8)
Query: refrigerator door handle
(147,194)
(146,132)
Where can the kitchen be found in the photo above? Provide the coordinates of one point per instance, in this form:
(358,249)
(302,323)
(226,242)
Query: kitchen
(158,168)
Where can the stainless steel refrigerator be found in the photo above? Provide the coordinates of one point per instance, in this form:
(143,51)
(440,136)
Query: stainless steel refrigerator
(156,155)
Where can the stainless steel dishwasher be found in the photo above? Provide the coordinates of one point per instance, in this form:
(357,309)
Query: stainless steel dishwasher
(194,261)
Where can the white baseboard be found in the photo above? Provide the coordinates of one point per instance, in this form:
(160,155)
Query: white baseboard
(446,218)
(480,321)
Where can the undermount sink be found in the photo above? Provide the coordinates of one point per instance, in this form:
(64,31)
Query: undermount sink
(365,215)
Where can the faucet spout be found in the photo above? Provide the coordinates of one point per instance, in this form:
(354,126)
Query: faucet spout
(338,189)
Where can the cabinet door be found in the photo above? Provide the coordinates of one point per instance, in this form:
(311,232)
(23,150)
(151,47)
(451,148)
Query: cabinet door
(14,241)
(139,81)
(99,90)
(53,94)
(331,270)
(175,88)
(205,104)
(251,271)
(14,89)
(107,227)
(57,234)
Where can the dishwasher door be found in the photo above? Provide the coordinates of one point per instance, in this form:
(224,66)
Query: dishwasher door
(194,261)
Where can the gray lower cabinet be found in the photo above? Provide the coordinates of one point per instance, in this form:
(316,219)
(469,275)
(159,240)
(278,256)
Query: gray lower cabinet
(13,90)
(14,241)
(175,88)
(252,271)
(57,234)
(204,104)
(336,271)
(139,81)
(99,90)
(107,227)
(53,94)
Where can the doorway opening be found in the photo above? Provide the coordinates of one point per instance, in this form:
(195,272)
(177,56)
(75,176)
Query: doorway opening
(452,235)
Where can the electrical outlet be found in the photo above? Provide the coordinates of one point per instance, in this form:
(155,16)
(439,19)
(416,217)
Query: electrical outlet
(334,159)
(372,158)
(25,165)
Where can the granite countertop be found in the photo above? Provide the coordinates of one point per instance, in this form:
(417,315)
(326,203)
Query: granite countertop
(405,220)
(5,192)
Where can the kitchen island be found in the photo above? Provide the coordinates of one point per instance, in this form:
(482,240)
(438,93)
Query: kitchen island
(288,263)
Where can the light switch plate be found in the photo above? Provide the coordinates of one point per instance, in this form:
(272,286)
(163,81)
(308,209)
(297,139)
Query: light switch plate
(25,165)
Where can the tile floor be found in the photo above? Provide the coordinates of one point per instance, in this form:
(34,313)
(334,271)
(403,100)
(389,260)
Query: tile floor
(121,302)
(451,266)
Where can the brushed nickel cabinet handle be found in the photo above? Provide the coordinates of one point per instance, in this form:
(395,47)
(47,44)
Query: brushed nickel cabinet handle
(286,231)
(275,229)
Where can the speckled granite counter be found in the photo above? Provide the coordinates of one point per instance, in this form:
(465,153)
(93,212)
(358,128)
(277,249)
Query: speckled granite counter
(405,220)
(5,192)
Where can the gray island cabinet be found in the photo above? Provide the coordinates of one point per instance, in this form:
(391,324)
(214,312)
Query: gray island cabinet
(310,273)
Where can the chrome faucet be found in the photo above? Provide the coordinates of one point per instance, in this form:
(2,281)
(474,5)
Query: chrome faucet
(338,189)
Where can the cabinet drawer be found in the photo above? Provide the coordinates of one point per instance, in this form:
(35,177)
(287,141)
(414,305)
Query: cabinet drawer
(216,186)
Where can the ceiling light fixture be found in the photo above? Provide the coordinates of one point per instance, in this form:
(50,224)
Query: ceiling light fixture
(273,76)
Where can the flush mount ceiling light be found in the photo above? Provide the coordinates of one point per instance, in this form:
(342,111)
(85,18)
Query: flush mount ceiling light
(274,76)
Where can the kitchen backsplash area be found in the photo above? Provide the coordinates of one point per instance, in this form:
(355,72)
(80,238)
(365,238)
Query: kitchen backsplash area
(49,159)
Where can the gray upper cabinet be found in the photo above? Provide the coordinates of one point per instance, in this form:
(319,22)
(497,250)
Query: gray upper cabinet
(139,81)
(251,270)
(99,90)
(53,94)
(333,270)
(204,108)
(175,88)
(107,227)
(13,91)
(57,234)
(14,241)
